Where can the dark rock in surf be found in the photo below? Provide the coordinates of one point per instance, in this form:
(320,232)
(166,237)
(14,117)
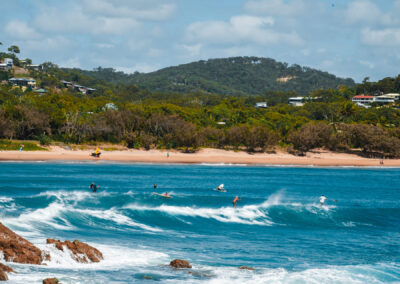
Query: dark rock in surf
(81,252)
(180,263)
(51,281)
(246,267)
(17,249)
(4,269)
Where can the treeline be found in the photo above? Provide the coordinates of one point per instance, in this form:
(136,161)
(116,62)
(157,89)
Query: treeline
(191,121)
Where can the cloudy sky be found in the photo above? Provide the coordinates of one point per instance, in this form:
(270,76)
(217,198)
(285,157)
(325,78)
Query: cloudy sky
(349,38)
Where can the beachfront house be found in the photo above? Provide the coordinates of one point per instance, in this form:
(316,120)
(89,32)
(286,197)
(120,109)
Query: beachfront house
(23,82)
(296,101)
(261,105)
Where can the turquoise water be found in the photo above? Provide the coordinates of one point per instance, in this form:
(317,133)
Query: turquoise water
(279,228)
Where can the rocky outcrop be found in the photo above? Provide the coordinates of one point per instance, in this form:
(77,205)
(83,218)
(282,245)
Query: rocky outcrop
(51,281)
(81,252)
(180,263)
(17,249)
(4,269)
(246,267)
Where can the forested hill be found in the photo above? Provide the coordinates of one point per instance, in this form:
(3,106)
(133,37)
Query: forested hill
(235,76)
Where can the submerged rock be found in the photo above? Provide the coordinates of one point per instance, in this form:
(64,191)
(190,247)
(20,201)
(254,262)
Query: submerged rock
(17,249)
(246,267)
(4,269)
(81,252)
(51,281)
(180,263)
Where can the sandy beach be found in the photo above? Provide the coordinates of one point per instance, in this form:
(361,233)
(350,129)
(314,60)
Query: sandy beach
(213,156)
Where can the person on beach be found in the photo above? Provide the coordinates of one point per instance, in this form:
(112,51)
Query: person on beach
(94,187)
(235,200)
(21,147)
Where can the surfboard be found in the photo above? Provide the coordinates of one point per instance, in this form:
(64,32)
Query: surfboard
(162,195)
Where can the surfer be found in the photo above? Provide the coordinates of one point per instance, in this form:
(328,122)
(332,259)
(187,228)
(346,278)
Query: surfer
(235,200)
(166,195)
(155,186)
(322,199)
(220,187)
(94,187)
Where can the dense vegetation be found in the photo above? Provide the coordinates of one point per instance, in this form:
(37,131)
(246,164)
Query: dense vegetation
(139,118)
(233,76)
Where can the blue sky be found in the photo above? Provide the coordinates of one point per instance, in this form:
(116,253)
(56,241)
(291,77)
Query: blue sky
(353,38)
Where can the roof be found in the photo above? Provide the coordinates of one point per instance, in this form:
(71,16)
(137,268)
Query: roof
(22,79)
(363,97)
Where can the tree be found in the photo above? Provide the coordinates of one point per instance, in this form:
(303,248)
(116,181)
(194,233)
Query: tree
(14,49)
(310,136)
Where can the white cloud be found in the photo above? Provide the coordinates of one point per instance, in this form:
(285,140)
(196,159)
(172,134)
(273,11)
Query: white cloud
(370,65)
(154,10)
(240,29)
(21,30)
(140,67)
(381,37)
(275,7)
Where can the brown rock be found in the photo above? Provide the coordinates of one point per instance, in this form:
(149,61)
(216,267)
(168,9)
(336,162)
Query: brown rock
(180,263)
(4,269)
(50,281)
(246,267)
(81,252)
(17,249)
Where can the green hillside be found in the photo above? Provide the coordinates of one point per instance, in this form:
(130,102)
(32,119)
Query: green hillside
(234,76)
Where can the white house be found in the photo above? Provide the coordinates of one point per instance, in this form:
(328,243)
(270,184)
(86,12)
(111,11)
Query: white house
(261,105)
(296,101)
(384,99)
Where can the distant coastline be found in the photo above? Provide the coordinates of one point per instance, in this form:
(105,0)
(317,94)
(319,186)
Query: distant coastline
(206,155)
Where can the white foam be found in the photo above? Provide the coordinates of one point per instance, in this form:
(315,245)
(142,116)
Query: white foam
(45,215)
(249,214)
(113,215)
(115,257)
(335,274)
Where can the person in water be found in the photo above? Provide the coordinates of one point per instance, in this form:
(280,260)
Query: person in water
(94,187)
(235,200)
(155,186)
(166,194)
(322,199)
(220,187)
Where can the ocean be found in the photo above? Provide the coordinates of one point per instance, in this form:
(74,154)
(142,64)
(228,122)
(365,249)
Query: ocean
(278,227)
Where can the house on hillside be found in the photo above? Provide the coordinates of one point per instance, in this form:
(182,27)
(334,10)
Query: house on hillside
(395,96)
(362,99)
(84,90)
(7,64)
(384,99)
(23,82)
(261,105)
(296,101)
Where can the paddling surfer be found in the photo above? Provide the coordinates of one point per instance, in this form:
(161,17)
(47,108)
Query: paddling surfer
(220,187)
(235,200)
(166,195)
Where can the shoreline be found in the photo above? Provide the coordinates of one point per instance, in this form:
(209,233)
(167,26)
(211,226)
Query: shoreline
(203,156)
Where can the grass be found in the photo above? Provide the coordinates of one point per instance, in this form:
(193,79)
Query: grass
(10,145)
